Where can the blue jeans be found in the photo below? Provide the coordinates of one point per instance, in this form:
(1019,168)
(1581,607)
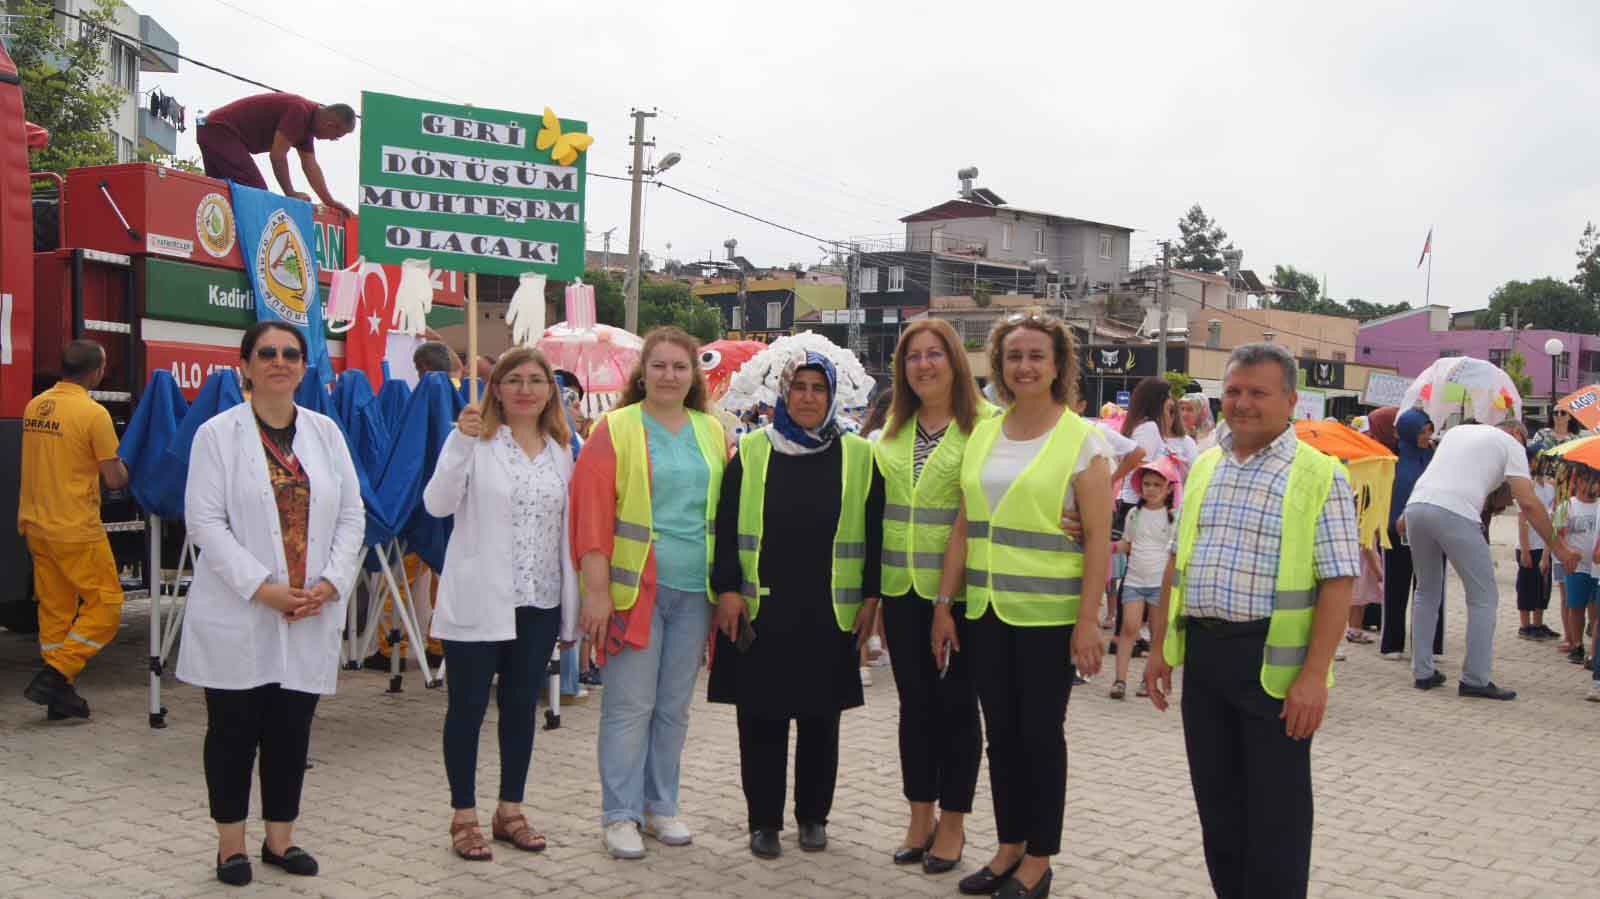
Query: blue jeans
(569,671)
(644,709)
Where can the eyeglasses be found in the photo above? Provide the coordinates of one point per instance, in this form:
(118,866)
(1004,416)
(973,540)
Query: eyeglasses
(932,357)
(271,353)
(520,383)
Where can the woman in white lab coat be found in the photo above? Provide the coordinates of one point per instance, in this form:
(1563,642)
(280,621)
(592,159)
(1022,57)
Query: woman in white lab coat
(509,589)
(274,506)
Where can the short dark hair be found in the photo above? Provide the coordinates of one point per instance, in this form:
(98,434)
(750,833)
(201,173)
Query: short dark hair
(81,357)
(341,111)
(432,356)
(254,332)
(1260,353)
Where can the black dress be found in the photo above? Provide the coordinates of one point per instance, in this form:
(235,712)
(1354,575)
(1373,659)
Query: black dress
(800,665)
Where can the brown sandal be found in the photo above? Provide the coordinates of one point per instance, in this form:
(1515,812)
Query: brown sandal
(467,840)
(515,830)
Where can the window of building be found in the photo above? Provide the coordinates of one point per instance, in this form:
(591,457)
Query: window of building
(891,316)
(1311,352)
(868,280)
(1446,354)
(1563,365)
(1498,357)
(775,315)
(1038,240)
(128,155)
(897,278)
(974,329)
(1588,360)
(1338,355)
(936,240)
(117,66)
(736,320)
(1105,246)
(1005,235)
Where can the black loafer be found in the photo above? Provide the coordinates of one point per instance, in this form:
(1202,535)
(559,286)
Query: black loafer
(764,843)
(1013,888)
(1487,691)
(813,837)
(1428,683)
(933,864)
(910,855)
(235,871)
(294,860)
(983,882)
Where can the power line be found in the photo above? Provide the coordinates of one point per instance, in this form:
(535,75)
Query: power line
(334,50)
(162,50)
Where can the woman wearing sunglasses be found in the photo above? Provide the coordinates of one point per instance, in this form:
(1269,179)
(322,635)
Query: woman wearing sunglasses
(643,497)
(274,506)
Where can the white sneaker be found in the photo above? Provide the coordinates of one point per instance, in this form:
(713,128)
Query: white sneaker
(668,829)
(622,840)
(1392,656)
(1338,654)
(881,661)
(1594,692)
(866,677)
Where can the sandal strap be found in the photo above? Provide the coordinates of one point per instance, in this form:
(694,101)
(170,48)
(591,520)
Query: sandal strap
(467,835)
(516,829)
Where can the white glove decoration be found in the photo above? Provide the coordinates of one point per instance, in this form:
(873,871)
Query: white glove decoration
(525,314)
(413,298)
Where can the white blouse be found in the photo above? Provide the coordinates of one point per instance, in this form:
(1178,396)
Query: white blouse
(538,504)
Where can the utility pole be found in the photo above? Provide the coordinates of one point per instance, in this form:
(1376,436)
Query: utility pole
(605,257)
(631,321)
(1165,299)
(853,301)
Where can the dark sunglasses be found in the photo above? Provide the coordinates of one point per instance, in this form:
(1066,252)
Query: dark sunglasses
(271,353)
(1563,413)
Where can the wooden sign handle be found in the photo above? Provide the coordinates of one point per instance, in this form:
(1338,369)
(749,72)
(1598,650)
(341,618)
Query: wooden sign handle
(472,335)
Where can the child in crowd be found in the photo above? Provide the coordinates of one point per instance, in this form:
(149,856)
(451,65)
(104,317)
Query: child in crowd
(1368,590)
(1533,568)
(1146,536)
(1579,533)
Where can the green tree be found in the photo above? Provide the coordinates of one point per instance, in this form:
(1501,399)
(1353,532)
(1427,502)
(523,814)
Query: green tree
(1517,368)
(610,308)
(62,89)
(1307,290)
(1200,249)
(1544,303)
(671,303)
(1587,280)
(1179,382)
(1361,310)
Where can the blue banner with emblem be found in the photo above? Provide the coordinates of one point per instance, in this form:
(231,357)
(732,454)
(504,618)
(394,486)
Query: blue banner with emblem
(275,239)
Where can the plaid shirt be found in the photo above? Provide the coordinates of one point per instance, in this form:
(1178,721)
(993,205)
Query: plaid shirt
(1233,573)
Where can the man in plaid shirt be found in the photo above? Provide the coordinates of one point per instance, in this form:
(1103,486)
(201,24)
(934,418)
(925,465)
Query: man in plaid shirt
(1250,753)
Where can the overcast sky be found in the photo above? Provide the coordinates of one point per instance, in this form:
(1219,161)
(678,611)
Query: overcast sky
(1324,136)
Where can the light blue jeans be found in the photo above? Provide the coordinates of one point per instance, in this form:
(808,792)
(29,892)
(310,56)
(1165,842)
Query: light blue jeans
(644,710)
(569,671)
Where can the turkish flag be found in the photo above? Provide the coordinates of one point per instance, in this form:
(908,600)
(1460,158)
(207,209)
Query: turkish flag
(365,342)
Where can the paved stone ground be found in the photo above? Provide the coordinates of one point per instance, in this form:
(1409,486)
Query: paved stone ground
(1418,795)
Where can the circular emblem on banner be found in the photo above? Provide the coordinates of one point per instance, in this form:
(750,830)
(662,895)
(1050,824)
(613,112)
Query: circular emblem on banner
(283,267)
(213,223)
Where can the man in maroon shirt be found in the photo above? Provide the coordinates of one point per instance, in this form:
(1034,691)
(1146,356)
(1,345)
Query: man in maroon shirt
(271,124)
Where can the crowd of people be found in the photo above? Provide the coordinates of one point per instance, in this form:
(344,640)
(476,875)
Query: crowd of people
(979,536)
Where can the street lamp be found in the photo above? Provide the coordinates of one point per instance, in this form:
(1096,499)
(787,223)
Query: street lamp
(1553,348)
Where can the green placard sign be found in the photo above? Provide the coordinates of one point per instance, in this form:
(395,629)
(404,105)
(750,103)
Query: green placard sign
(471,189)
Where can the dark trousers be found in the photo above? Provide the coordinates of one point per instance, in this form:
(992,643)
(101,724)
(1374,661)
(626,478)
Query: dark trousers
(764,767)
(1399,580)
(472,666)
(940,739)
(1252,783)
(238,722)
(1533,585)
(224,155)
(1024,677)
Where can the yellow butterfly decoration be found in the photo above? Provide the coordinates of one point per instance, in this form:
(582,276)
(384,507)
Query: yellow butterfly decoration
(567,146)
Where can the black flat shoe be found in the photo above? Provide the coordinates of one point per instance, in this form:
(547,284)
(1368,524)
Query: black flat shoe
(1487,691)
(1428,683)
(910,855)
(294,860)
(813,837)
(1013,888)
(234,872)
(983,882)
(933,864)
(764,844)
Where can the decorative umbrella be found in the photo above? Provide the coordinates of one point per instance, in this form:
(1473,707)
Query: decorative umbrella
(1368,464)
(1462,384)
(600,356)
(756,383)
(1584,406)
(720,359)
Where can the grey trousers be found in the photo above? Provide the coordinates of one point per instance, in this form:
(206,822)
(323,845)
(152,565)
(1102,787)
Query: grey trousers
(1436,534)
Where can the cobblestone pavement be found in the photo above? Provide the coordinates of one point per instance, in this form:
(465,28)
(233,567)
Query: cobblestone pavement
(1418,795)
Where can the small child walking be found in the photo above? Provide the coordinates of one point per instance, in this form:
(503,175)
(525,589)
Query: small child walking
(1579,532)
(1145,540)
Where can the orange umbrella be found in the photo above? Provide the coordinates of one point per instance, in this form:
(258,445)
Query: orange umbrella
(1584,406)
(1368,464)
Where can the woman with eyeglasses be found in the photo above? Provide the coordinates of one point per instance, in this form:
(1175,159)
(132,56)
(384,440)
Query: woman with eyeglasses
(934,408)
(1033,593)
(643,500)
(508,590)
(274,506)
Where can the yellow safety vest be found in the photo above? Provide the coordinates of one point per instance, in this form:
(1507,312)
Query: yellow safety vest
(849,536)
(1018,558)
(630,545)
(1289,629)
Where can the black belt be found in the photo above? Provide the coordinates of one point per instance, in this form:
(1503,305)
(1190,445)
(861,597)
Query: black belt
(1221,628)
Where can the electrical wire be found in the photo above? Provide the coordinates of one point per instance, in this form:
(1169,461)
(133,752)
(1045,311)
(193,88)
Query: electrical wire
(164,51)
(337,52)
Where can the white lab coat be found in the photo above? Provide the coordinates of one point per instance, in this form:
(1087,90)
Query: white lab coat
(231,642)
(476,601)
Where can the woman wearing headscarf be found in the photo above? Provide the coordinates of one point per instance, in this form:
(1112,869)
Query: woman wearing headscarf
(1414,445)
(799,516)
(1195,411)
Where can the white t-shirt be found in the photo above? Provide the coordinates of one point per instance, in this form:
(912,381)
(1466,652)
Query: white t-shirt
(1149,531)
(1546,492)
(1120,445)
(1184,448)
(1148,437)
(1471,461)
(1581,520)
(1008,458)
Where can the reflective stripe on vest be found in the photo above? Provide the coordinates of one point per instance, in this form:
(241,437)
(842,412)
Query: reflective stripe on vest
(1018,558)
(1289,629)
(849,536)
(630,544)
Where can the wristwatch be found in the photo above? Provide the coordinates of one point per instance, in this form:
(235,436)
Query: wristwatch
(941,601)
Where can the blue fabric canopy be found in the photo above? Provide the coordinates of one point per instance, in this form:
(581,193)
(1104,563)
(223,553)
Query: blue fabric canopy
(414,447)
(153,428)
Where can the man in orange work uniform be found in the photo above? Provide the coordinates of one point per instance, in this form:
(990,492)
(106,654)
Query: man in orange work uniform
(68,446)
